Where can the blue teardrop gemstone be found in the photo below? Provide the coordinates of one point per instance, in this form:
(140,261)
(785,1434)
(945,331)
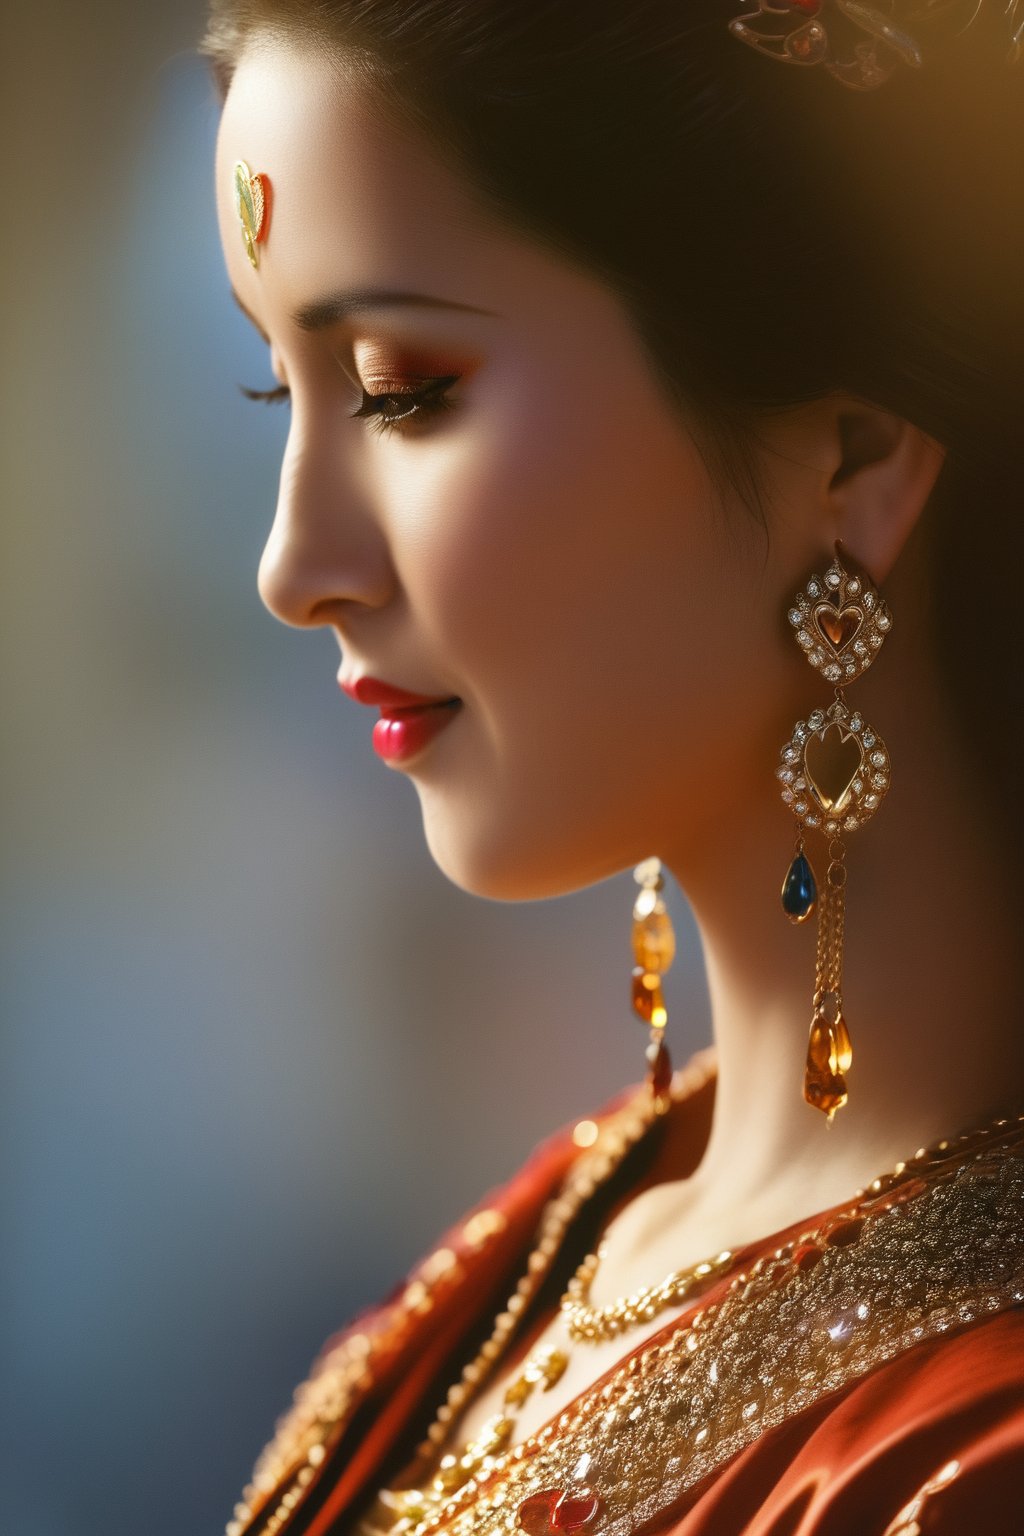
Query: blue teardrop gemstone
(799,892)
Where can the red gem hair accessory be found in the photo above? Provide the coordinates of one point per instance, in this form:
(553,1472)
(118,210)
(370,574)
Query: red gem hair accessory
(820,32)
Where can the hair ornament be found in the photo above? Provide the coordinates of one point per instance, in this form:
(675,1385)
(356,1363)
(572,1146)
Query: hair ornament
(251,207)
(860,43)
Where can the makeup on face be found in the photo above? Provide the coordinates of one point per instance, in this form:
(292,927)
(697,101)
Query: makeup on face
(403,733)
(408,721)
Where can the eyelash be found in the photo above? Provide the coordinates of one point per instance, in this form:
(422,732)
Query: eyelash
(430,400)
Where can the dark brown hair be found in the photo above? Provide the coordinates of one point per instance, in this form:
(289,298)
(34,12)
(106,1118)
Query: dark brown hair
(774,234)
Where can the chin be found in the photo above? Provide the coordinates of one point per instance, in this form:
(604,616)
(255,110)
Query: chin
(486,853)
(487,866)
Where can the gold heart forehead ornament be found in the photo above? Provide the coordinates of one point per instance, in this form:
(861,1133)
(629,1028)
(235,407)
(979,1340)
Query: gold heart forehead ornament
(252,206)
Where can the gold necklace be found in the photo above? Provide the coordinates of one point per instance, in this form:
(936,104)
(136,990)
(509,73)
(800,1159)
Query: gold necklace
(629,1127)
(416,1510)
(542,1368)
(288,1464)
(619,1135)
(592,1325)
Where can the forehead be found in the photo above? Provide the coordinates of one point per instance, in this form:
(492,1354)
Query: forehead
(350,196)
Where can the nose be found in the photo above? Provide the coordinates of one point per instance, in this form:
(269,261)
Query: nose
(326,548)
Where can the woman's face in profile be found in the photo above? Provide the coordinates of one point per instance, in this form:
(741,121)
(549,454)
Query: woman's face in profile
(548,547)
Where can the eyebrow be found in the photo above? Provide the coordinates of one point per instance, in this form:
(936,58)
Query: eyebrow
(321,313)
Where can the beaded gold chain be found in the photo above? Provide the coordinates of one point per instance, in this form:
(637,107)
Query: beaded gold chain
(415,1510)
(593,1325)
(558,1216)
(542,1368)
(406,1508)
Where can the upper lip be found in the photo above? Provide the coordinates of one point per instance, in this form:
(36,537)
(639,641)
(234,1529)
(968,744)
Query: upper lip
(370,690)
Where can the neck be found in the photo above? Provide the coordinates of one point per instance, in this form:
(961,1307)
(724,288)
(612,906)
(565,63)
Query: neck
(929,988)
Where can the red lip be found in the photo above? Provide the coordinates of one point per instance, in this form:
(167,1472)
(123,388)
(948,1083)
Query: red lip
(370,690)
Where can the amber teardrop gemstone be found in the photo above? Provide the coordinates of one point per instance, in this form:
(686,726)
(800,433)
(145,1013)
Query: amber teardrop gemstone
(824,1084)
(648,1001)
(654,942)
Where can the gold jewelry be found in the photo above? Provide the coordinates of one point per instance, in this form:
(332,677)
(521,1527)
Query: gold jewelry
(593,1325)
(251,205)
(835,772)
(416,1512)
(409,1507)
(597,1167)
(654,948)
(541,1369)
(412,1505)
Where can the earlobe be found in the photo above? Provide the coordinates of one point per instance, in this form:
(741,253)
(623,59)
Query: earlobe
(887,470)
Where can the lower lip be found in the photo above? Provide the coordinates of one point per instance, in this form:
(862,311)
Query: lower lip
(400,733)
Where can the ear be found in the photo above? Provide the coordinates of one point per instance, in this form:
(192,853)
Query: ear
(885,470)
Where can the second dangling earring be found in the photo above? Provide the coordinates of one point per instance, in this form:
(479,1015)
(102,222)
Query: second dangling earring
(654,948)
(834,773)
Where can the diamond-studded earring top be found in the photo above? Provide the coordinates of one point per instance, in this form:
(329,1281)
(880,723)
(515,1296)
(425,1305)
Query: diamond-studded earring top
(834,773)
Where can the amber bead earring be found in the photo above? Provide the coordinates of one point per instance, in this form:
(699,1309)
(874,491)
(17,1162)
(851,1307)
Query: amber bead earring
(654,948)
(834,774)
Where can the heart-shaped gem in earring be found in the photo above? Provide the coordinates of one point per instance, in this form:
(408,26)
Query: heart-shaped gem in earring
(840,621)
(832,761)
(837,628)
(834,770)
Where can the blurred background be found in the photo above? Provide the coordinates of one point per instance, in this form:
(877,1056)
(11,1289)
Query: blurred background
(249,1030)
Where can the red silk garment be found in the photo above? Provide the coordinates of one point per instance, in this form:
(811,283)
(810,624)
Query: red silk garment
(925,1437)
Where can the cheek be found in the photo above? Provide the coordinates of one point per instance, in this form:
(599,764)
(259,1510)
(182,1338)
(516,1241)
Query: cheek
(573,569)
(562,532)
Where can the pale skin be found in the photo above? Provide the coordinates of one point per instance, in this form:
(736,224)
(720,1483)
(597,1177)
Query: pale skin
(554,552)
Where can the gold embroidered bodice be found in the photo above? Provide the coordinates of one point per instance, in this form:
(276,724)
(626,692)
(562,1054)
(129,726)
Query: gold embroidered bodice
(913,1260)
(931,1248)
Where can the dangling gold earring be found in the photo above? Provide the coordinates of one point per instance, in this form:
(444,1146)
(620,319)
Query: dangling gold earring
(654,948)
(835,772)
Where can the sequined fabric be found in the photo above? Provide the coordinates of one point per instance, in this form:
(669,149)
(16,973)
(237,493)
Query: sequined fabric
(896,1319)
(791,1336)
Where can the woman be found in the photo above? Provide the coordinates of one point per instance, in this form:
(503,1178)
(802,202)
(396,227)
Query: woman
(619,359)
